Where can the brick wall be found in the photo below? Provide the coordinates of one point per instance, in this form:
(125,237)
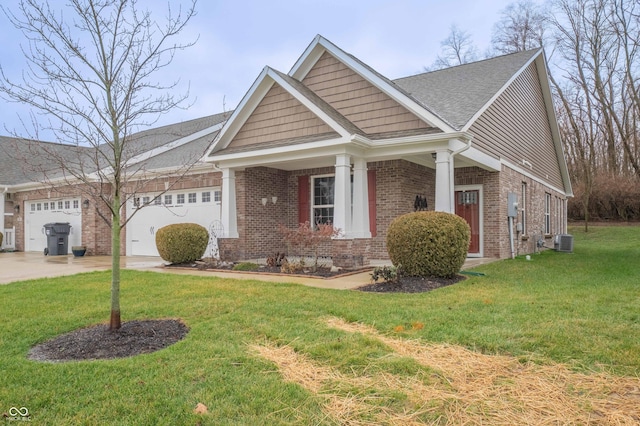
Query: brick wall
(496,187)
(397,184)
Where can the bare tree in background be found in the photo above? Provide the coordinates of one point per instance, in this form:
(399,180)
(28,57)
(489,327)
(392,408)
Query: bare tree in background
(597,41)
(457,49)
(521,27)
(596,79)
(92,79)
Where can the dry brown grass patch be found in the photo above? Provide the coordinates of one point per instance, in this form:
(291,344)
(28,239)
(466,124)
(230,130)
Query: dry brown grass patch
(467,388)
(478,389)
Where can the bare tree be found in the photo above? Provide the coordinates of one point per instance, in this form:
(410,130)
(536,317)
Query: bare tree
(457,49)
(91,78)
(521,27)
(597,41)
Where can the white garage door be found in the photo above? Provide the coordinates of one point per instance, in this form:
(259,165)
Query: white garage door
(40,212)
(153,211)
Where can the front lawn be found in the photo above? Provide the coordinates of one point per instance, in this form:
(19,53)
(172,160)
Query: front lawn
(263,353)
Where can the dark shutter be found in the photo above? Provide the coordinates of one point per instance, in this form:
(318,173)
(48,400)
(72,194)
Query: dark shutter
(304,199)
(371,184)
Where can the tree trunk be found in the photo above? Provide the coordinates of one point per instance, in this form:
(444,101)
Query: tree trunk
(115,322)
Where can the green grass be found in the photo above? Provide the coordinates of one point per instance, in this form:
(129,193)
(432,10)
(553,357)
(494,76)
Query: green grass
(579,308)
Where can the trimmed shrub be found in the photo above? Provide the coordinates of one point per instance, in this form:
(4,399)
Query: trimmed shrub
(1,238)
(182,242)
(428,243)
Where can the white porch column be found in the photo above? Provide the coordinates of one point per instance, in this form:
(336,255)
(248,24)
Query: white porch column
(229,213)
(360,222)
(444,183)
(2,199)
(342,195)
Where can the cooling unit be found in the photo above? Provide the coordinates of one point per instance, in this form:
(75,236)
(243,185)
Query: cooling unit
(564,243)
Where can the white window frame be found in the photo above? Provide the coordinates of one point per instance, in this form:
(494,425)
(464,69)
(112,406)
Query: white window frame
(313,204)
(547,213)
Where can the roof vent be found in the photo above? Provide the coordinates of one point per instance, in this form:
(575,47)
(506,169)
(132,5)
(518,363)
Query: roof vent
(564,243)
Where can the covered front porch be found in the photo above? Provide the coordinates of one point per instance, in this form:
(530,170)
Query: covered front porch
(358,187)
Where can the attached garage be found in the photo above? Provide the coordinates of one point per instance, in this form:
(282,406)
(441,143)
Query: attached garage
(153,211)
(40,212)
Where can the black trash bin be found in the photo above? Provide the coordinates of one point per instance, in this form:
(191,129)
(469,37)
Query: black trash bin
(57,238)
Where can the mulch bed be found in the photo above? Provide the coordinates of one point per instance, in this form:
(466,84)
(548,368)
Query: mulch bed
(322,272)
(97,342)
(411,285)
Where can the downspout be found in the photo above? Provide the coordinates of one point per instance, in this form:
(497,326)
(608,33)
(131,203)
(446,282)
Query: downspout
(451,171)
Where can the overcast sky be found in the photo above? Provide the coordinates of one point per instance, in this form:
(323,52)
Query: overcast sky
(237,38)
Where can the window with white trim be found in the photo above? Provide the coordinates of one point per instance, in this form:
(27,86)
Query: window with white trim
(559,215)
(180,198)
(168,199)
(193,197)
(322,198)
(76,204)
(217,196)
(547,213)
(206,197)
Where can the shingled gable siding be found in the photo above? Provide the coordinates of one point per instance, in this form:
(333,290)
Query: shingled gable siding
(358,100)
(279,116)
(516,127)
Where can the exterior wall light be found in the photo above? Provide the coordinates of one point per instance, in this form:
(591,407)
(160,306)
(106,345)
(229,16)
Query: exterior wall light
(85,204)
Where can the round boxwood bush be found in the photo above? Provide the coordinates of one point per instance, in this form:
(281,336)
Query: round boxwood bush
(182,242)
(428,243)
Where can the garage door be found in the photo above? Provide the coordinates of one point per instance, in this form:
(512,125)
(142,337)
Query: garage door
(40,212)
(153,211)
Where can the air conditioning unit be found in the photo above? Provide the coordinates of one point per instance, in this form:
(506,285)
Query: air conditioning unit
(564,243)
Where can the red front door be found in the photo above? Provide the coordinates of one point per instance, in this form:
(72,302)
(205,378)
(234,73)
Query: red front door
(468,207)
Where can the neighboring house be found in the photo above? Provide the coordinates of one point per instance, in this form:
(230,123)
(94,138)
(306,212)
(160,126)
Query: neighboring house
(170,185)
(335,141)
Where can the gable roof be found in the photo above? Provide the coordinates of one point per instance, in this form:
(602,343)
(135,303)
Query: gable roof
(460,93)
(24,161)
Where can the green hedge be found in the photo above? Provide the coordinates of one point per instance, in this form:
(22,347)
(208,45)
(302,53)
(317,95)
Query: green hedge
(428,243)
(182,242)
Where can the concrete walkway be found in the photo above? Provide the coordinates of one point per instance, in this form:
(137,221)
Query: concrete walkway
(19,266)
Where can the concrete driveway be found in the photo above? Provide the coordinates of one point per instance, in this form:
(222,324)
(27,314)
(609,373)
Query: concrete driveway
(19,266)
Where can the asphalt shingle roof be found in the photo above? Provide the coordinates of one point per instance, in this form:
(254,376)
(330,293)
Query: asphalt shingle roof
(456,94)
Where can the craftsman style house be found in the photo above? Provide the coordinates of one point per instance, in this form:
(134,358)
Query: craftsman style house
(334,141)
